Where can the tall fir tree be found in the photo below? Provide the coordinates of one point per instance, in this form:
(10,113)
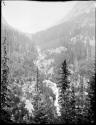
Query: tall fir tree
(64,75)
(92,97)
(63,85)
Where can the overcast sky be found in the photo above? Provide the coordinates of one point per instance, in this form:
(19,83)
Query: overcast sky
(31,17)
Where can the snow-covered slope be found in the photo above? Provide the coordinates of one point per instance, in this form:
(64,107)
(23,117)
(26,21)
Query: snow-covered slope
(46,59)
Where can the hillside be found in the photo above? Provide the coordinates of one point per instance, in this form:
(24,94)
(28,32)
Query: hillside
(49,77)
(19,77)
(76,35)
(18,49)
(63,32)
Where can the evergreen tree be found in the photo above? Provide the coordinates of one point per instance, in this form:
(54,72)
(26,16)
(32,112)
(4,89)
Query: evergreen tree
(4,76)
(92,97)
(64,76)
(64,85)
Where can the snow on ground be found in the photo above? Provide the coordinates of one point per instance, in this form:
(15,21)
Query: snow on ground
(55,90)
(42,63)
(51,71)
(29,106)
(57,50)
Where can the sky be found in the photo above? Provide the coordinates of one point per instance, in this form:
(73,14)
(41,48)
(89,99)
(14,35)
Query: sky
(32,16)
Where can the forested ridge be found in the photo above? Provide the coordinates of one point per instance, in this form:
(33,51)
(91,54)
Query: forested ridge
(51,82)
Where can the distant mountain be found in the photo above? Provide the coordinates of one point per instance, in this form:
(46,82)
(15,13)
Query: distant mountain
(78,9)
(72,39)
(14,38)
(63,32)
(76,33)
(17,52)
(3,21)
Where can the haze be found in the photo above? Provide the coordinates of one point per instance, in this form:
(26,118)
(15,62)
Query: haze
(31,17)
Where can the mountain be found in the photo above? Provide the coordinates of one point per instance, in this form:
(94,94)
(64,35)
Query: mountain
(3,21)
(72,39)
(30,70)
(76,33)
(61,33)
(17,52)
(78,9)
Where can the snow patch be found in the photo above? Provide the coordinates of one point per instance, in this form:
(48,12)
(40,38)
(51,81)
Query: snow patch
(57,50)
(29,106)
(51,71)
(55,90)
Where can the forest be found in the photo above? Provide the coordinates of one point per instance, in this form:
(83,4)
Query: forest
(52,84)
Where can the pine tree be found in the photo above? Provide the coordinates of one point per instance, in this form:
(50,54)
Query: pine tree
(92,97)
(64,85)
(4,76)
(63,79)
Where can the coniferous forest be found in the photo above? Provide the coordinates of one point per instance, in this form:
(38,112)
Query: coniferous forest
(49,77)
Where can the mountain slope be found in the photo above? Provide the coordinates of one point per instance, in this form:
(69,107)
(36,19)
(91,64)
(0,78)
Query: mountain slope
(61,33)
(76,34)
(78,9)
(17,52)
